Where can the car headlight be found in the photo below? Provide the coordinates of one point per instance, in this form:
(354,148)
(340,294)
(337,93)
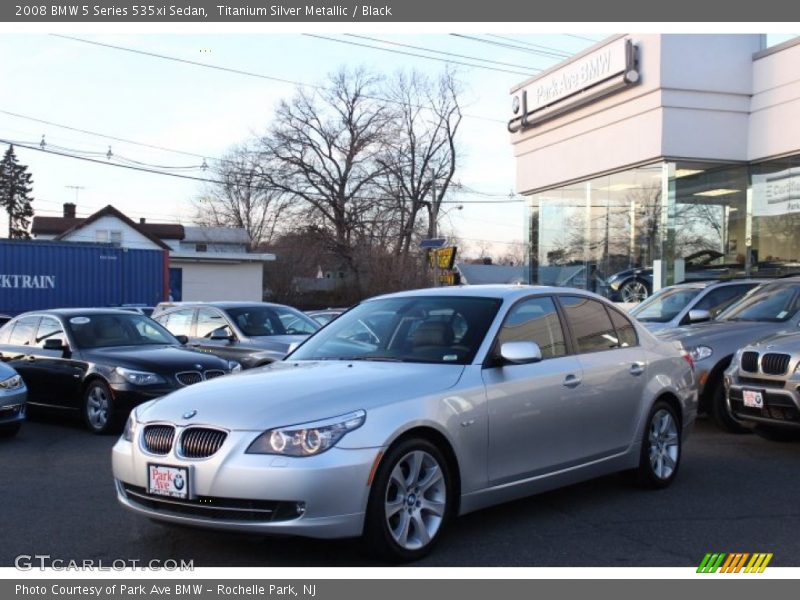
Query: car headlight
(234,366)
(12,383)
(699,353)
(130,427)
(307,439)
(139,377)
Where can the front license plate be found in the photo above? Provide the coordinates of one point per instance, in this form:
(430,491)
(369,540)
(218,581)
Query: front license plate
(753,399)
(168,481)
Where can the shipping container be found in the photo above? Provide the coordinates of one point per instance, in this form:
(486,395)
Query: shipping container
(37,275)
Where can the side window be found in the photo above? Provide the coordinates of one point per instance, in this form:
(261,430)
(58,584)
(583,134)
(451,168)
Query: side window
(5,332)
(626,332)
(721,298)
(535,320)
(23,331)
(590,324)
(178,322)
(49,328)
(209,320)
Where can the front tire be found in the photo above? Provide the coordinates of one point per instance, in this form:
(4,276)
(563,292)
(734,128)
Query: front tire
(634,290)
(721,414)
(410,501)
(98,408)
(661,447)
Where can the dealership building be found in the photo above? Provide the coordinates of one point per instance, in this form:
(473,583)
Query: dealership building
(675,154)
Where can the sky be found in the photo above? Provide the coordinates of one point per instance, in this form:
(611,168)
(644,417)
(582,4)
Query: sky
(86,98)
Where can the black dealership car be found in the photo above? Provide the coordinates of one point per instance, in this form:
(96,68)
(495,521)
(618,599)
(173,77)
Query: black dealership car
(100,362)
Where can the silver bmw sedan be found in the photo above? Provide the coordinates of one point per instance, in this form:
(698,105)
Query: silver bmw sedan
(413,408)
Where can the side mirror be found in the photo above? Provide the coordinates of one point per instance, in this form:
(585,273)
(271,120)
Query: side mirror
(521,353)
(182,339)
(56,344)
(223,333)
(698,316)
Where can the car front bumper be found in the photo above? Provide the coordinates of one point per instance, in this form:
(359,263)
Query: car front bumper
(322,496)
(781,400)
(12,405)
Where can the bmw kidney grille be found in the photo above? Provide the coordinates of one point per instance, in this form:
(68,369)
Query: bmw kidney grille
(199,442)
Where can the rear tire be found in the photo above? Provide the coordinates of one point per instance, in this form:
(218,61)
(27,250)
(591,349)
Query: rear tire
(721,413)
(662,447)
(410,501)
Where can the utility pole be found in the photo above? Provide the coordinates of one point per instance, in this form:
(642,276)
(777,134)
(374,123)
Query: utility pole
(433,230)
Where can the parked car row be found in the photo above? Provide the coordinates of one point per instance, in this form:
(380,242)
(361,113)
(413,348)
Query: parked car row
(744,336)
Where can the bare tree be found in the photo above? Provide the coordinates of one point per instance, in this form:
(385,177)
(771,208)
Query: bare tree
(323,147)
(421,158)
(242,198)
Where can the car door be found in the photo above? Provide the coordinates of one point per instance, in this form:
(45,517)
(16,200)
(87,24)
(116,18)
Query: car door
(532,407)
(210,320)
(57,376)
(16,350)
(614,370)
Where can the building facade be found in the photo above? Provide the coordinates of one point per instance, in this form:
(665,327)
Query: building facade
(651,159)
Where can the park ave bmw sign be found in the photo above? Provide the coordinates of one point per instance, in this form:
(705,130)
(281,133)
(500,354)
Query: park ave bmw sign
(44,282)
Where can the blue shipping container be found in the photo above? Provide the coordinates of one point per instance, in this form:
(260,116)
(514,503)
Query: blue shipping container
(37,275)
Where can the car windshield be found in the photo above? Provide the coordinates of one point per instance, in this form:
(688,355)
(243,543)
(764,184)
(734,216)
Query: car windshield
(772,303)
(446,330)
(108,330)
(258,321)
(664,305)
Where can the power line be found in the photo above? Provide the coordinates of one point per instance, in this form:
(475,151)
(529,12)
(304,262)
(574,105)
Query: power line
(581,37)
(547,49)
(246,73)
(209,180)
(495,62)
(444,60)
(558,55)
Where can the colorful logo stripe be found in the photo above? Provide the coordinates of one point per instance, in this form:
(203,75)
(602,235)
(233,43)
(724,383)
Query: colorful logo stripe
(735,562)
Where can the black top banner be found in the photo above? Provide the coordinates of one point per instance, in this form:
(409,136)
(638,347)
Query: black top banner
(457,11)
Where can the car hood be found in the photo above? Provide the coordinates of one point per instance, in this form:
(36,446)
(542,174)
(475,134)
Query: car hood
(654,327)
(719,333)
(785,341)
(158,359)
(287,393)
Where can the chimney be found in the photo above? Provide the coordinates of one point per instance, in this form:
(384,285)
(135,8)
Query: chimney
(142,220)
(69,210)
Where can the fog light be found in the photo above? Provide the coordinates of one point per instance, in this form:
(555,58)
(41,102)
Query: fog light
(300,508)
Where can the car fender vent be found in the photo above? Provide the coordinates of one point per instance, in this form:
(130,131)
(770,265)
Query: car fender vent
(158,438)
(200,442)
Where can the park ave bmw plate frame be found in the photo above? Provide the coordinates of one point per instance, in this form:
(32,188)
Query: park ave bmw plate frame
(167,480)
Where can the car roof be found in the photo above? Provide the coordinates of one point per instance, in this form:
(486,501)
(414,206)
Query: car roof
(71,312)
(505,292)
(223,304)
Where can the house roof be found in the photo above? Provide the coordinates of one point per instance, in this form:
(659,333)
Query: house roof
(219,235)
(110,211)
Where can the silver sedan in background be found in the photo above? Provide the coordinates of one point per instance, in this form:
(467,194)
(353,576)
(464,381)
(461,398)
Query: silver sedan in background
(455,400)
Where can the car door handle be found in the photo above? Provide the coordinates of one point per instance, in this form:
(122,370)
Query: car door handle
(572,381)
(636,369)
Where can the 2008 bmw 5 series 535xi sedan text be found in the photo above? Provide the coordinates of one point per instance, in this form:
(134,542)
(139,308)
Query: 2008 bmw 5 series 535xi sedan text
(411,409)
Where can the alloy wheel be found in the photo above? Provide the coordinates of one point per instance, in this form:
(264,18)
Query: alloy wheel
(664,449)
(97,407)
(634,291)
(415,500)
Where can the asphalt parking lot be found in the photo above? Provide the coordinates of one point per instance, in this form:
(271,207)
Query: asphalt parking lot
(733,494)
